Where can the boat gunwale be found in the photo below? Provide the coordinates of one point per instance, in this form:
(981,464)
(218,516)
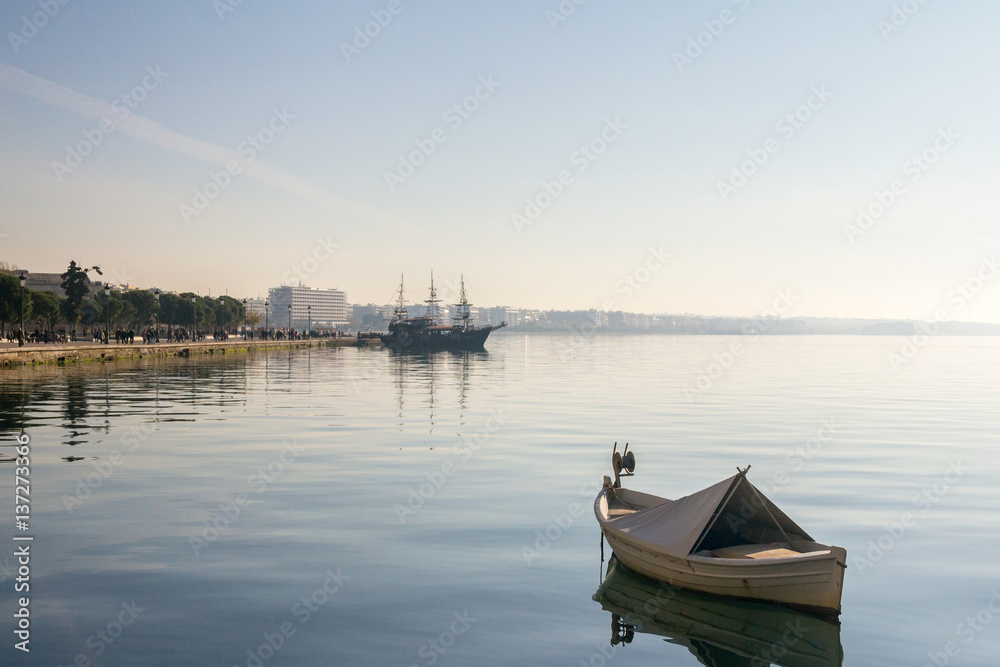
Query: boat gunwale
(767,572)
(826,551)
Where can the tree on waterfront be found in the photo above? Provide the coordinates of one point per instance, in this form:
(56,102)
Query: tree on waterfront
(144,306)
(91,313)
(175,310)
(202,314)
(123,313)
(10,301)
(76,285)
(228,312)
(45,308)
(129,309)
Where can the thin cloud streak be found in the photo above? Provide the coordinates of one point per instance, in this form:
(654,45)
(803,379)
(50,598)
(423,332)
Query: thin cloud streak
(151,132)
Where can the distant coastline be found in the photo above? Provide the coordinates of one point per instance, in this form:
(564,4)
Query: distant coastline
(730,326)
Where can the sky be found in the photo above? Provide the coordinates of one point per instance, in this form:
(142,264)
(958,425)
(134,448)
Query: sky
(662,157)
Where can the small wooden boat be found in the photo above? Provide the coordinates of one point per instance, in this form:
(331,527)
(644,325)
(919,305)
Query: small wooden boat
(728,539)
(716,630)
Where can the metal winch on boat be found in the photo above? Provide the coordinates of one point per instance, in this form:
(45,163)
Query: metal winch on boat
(622,462)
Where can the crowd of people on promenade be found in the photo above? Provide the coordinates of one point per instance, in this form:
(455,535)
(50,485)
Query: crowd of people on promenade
(169,334)
(36,336)
(149,335)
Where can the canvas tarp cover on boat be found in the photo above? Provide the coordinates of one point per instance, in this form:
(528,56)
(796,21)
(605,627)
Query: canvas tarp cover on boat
(745,516)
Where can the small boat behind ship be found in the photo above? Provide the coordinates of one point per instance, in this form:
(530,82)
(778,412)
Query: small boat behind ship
(728,539)
(427,334)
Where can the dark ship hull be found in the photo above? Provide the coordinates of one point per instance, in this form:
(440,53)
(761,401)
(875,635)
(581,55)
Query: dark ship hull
(421,335)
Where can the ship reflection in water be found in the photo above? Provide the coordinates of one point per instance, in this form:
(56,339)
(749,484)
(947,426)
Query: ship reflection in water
(718,631)
(427,334)
(424,375)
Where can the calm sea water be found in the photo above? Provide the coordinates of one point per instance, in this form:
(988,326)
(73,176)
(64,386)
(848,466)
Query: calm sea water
(349,507)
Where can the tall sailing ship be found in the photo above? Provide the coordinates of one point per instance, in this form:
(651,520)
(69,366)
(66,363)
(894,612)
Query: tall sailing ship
(427,334)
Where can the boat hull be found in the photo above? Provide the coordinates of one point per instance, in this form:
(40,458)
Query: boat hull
(437,339)
(720,631)
(811,581)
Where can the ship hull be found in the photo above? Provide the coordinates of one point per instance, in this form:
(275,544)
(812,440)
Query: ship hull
(405,339)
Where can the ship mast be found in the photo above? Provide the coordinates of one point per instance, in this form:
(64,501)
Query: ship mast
(463,312)
(432,302)
(400,313)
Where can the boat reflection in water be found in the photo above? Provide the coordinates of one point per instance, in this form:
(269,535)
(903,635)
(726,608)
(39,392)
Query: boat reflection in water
(718,631)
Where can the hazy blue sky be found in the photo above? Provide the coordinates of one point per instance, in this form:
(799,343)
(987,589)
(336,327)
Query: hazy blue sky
(874,84)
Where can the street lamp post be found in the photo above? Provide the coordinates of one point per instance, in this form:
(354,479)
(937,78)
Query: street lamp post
(244,319)
(222,302)
(107,305)
(267,311)
(156,295)
(309,328)
(289,320)
(22,279)
(194,323)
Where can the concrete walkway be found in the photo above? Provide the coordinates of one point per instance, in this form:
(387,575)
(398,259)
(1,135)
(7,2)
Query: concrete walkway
(40,353)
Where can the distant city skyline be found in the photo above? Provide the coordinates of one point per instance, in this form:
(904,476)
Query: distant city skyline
(650,158)
(780,307)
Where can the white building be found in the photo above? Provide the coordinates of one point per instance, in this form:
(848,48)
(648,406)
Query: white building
(325,308)
(256,306)
(498,314)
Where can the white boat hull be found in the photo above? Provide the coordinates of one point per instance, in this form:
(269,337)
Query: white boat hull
(809,580)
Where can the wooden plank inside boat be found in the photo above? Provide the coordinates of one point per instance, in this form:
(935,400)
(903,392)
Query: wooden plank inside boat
(754,551)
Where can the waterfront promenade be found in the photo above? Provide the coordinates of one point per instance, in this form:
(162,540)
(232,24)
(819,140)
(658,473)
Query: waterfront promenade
(39,353)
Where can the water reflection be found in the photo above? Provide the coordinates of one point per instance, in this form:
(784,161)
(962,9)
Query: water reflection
(74,408)
(12,408)
(427,372)
(84,399)
(717,631)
